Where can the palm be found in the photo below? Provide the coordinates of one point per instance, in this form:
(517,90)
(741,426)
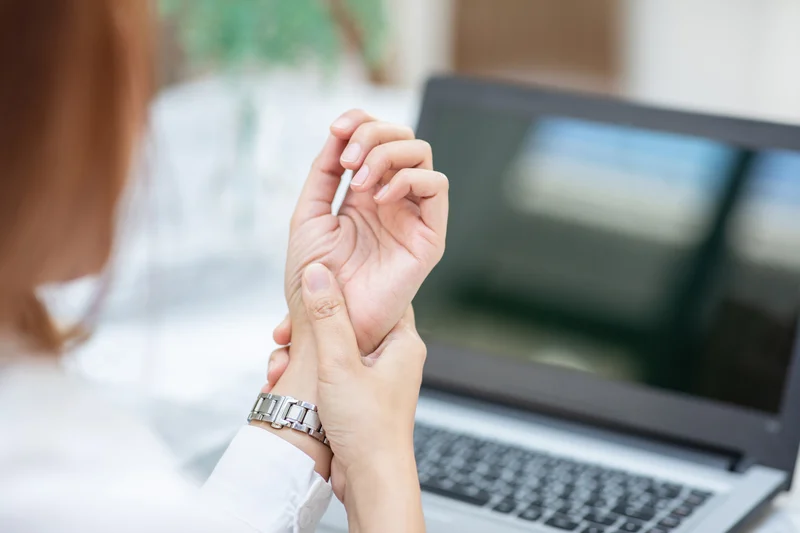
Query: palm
(380,248)
(380,255)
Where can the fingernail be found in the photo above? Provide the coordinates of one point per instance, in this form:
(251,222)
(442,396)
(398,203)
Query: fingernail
(361,176)
(269,366)
(382,192)
(317,278)
(342,123)
(351,153)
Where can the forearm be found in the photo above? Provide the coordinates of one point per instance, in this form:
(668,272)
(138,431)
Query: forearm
(300,381)
(386,497)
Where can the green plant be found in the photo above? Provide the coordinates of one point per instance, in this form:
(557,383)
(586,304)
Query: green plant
(242,33)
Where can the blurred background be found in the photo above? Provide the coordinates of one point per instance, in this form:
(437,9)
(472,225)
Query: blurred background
(247,89)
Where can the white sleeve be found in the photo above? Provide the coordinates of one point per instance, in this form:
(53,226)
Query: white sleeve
(269,484)
(94,469)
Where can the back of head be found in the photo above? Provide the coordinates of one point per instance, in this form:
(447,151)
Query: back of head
(76,78)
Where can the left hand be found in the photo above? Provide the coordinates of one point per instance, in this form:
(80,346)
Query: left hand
(278,359)
(390,230)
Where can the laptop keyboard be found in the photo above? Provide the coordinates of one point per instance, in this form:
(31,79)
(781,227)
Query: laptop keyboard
(564,494)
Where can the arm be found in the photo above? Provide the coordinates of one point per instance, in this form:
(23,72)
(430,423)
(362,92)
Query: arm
(385,496)
(387,237)
(277,480)
(300,381)
(367,405)
(383,492)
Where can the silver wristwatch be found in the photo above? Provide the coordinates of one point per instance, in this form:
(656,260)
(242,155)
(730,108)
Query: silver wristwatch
(288,412)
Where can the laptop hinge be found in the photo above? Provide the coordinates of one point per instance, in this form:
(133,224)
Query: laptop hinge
(715,459)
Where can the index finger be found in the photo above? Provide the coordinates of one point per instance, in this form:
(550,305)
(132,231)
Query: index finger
(348,122)
(326,171)
(429,189)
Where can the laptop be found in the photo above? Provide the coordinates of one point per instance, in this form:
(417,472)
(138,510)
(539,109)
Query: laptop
(612,330)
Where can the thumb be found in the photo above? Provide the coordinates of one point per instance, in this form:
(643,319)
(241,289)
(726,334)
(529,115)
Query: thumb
(325,306)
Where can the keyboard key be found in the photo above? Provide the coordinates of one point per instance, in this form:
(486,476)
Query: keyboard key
(683,511)
(534,498)
(602,503)
(631,527)
(474,497)
(562,522)
(645,514)
(563,508)
(523,494)
(661,505)
(693,501)
(505,488)
(506,506)
(531,514)
(604,519)
(668,490)
(594,529)
(670,522)
(657,530)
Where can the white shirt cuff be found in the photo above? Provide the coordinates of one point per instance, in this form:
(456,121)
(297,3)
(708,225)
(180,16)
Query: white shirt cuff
(269,483)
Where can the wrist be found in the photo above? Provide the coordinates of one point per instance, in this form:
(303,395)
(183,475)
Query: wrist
(299,380)
(383,468)
(300,377)
(383,493)
(318,452)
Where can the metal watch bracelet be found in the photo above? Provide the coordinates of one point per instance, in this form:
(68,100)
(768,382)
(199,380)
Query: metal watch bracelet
(287,412)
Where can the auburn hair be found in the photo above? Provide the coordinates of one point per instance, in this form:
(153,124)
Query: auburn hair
(75,79)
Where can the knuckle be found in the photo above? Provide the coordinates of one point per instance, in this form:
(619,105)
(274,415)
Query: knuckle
(325,308)
(437,251)
(417,344)
(404,176)
(359,115)
(420,348)
(317,161)
(379,159)
(445,182)
(365,132)
(407,132)
(316,164)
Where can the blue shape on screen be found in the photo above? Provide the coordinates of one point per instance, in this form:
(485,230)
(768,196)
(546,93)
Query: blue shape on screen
(777,178)
(673,158)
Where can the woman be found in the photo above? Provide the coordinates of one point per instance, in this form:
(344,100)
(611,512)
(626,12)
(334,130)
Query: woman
(73,100)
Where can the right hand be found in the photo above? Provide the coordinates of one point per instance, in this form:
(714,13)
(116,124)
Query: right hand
(367,405)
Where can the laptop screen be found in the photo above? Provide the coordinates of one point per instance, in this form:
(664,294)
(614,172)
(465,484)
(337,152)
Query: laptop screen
(637,255)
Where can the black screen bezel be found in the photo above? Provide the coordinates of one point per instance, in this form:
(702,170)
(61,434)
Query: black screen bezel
(754,436)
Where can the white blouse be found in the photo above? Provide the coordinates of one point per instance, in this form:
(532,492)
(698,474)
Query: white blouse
(71,462)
